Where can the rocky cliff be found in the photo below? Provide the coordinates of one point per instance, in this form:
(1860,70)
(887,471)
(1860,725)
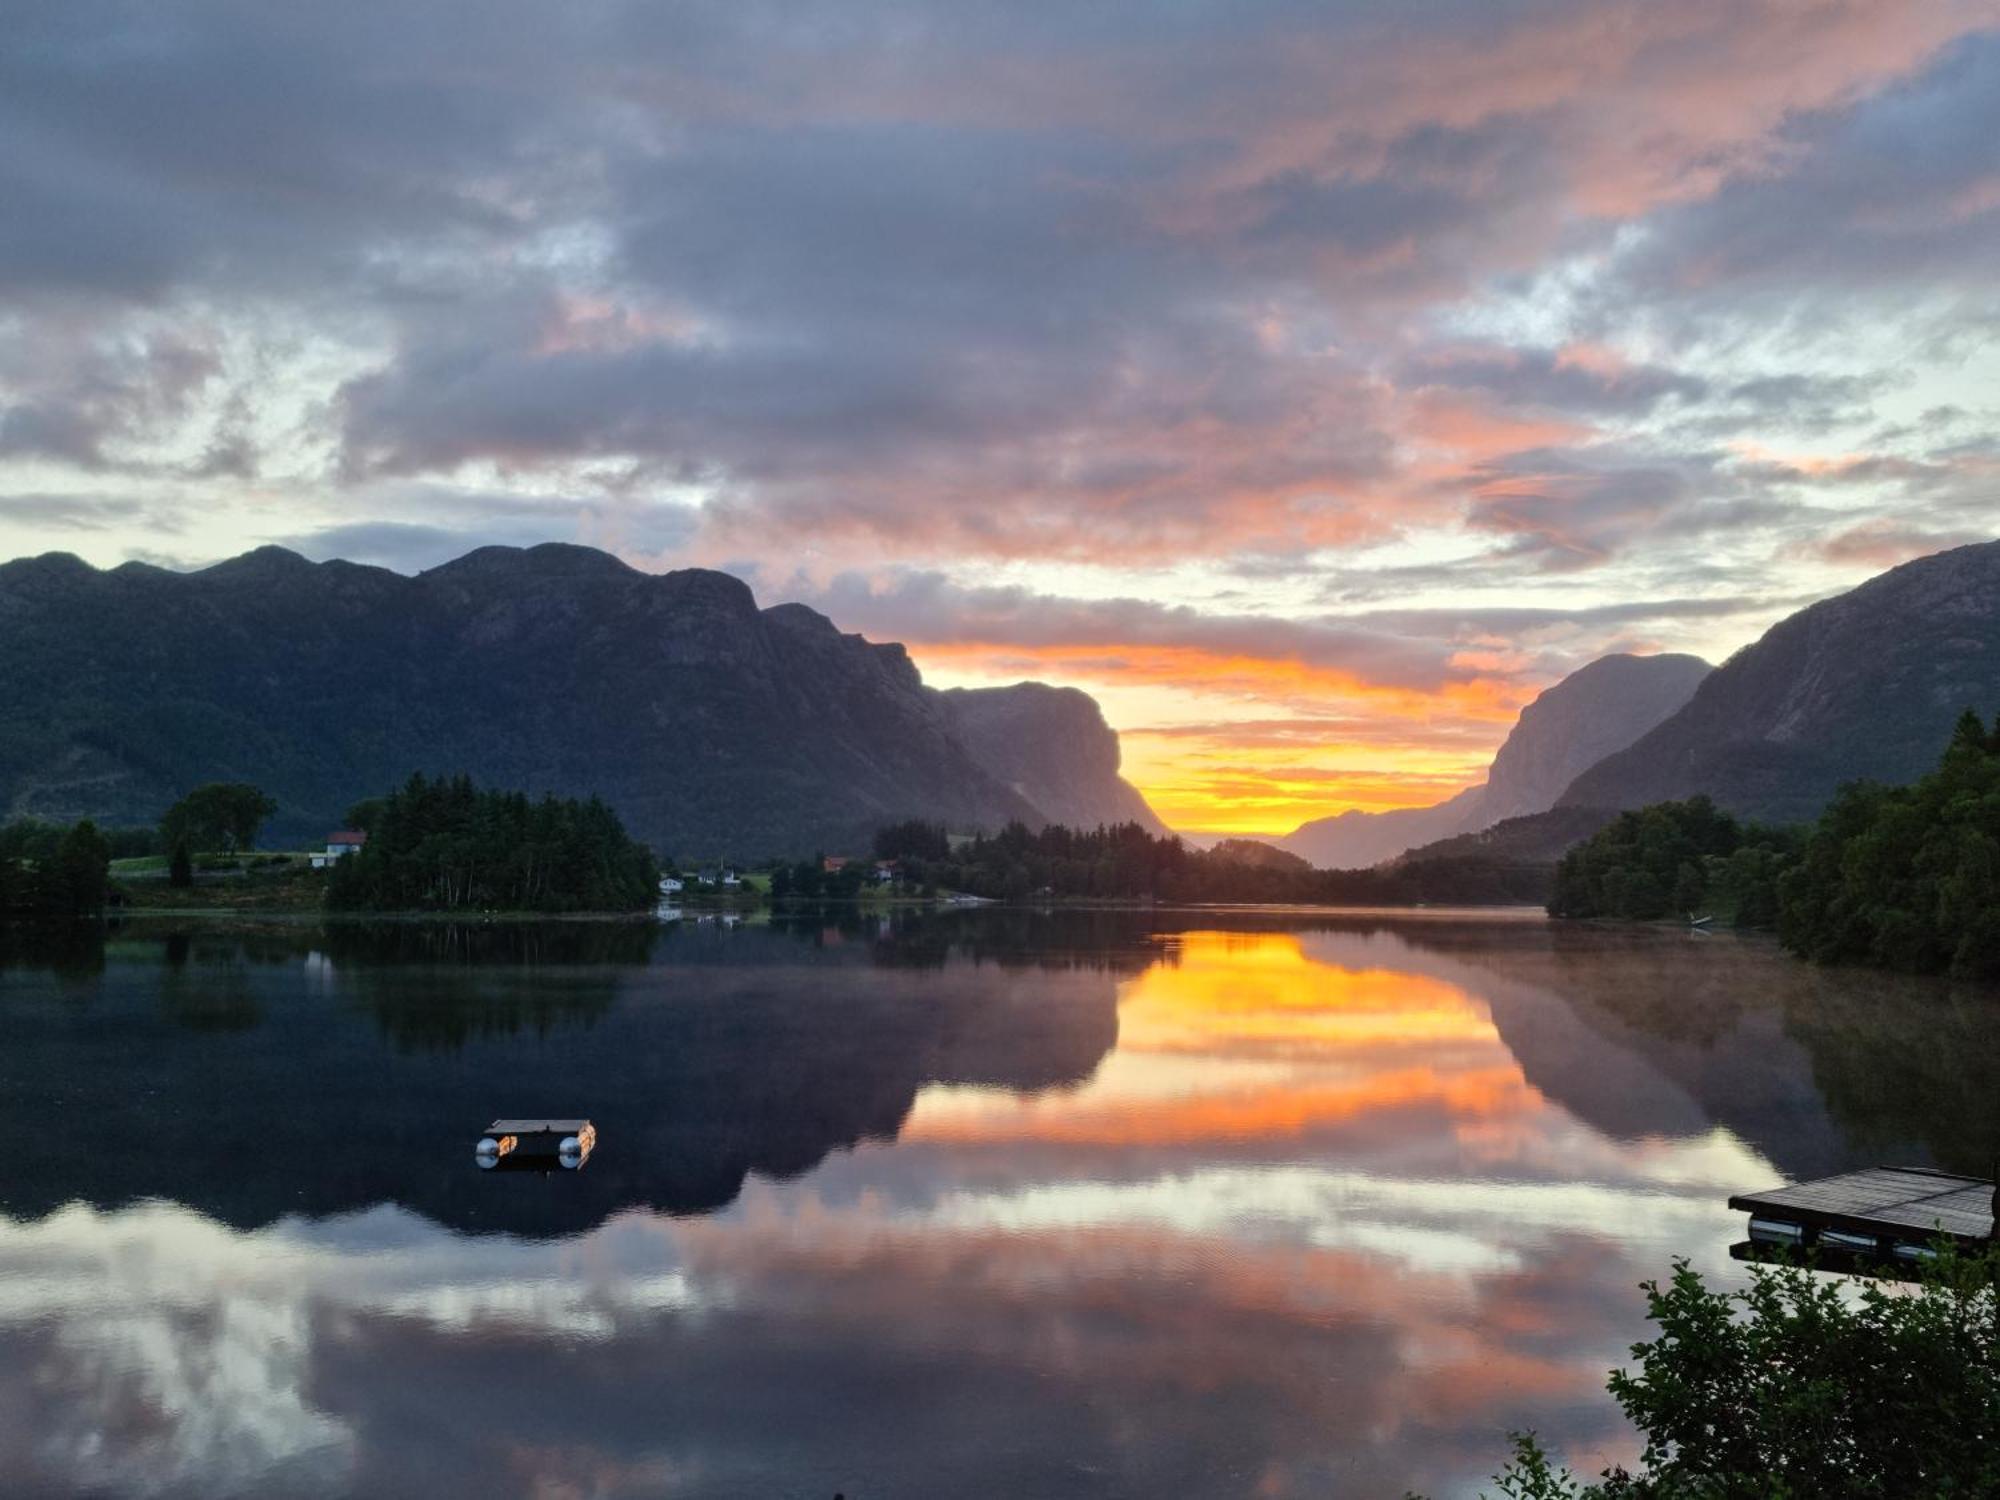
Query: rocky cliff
(1867,684)
(712,726)
(1052,746)
(1595,710)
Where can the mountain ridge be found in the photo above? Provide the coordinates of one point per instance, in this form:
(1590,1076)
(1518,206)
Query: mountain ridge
(1600,707)
(711,725)
(1866,684)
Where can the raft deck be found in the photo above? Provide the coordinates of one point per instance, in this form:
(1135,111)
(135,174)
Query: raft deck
(1885,1211)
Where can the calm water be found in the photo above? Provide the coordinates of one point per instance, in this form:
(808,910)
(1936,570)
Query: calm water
(986,1203)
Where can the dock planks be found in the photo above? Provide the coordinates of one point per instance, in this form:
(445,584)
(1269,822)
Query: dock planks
(1907,1204)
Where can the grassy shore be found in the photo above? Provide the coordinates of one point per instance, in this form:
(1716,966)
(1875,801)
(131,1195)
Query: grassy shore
(282,887)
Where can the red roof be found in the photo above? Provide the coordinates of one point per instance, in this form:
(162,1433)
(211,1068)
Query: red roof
(347,836)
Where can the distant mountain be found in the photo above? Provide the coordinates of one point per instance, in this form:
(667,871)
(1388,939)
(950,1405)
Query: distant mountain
(1354,840)
(1052,746)
(1867,684)
(710,725)
(1532,839)
(1595,710)
(1257,854)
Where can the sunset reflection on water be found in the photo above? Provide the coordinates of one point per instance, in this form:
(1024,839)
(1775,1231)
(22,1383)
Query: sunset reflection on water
(1127,1206)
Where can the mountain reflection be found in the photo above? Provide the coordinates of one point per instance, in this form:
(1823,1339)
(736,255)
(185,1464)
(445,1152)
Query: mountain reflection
(1066,1204)
(227,1071)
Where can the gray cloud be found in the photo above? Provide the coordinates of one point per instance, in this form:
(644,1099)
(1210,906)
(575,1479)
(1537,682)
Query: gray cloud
(1896,196)
(1544,378)
(1023,281)
(74,512)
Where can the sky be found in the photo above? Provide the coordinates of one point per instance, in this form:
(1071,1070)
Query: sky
(1312,383)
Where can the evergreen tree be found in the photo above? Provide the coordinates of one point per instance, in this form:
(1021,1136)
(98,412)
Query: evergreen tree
(445,844)
(1896,877)
(1907,877)
(50,871)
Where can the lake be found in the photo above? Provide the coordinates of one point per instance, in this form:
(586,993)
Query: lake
(970,1203)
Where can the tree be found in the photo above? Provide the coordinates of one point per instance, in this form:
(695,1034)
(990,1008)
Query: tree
(1643,864)
(446,844)
(47,870)
(223,815)
(914,839)
(366,813)
(1793,1387)
(180,870)
(1690,885)
(79,877)
(1906,877)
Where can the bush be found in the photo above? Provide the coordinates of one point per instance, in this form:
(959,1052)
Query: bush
(1805,1386)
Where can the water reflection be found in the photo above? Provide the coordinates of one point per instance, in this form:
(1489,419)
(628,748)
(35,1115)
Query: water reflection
(996,1203)
(228,1072)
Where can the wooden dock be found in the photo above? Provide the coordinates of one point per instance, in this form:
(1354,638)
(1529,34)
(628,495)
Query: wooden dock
(1885,1213)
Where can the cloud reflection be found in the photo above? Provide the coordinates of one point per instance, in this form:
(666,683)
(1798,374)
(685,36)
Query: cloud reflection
(1311,1229)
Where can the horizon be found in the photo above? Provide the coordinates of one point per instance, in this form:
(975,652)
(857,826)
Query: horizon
(1311,389)
(1195,833)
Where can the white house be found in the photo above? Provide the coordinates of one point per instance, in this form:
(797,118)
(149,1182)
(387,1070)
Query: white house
(669,885)
(339,846)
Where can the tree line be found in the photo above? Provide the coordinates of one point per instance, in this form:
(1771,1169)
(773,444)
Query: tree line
(53,870)
(1676,859)
(1896,877)
(1126,862)
(445,844)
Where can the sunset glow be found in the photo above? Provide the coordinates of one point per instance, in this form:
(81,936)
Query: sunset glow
(1311,386)
(1240,1036)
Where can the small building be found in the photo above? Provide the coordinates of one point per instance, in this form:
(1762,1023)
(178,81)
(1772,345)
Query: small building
(833,864)
(729,880)
(669,885)
(887,871)
(338,846)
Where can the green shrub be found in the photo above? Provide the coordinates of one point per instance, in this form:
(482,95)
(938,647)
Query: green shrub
(1802,1385)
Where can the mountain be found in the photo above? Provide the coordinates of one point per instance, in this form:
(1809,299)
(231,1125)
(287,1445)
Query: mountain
(416,1029)
(1532,839)
(1595,710)
(1866,684)
(1353,840)
(710,725)
(1257,854)
(1052,746)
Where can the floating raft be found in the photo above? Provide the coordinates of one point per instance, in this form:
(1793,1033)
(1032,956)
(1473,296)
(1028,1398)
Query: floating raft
(1884,1215)
(536,1144)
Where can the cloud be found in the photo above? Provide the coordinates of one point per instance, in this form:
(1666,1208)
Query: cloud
(1884,544)
(929,608)
(1291,310)
(73,512)
(1092,295)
